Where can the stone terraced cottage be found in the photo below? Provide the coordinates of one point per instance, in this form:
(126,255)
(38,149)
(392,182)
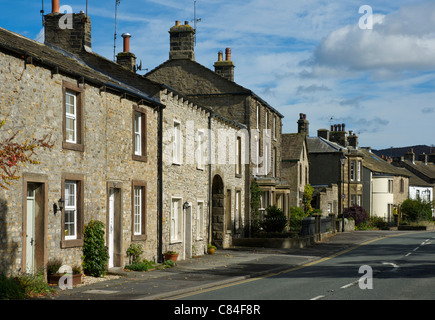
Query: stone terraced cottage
(128,151)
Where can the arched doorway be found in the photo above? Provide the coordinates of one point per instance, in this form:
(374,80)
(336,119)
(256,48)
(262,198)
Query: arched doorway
(218,212)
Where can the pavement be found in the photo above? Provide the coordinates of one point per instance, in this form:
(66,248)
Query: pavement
(225,267)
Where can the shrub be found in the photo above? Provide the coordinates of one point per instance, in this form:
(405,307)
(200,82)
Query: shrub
(144,265)
(23,286)
(54,265)
(134,252)
(415,210)
(95,254)
(378,223)
(358,214)
(275,220)
(297,214)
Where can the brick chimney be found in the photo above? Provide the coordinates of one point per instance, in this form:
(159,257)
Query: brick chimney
(303,124)
(70,31)
(225,68)
(182,39)
(126,58)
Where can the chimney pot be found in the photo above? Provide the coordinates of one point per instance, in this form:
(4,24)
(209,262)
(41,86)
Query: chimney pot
(126,37)
(55,6)
(186,23)
(228,54)
(220,56)
(177,23)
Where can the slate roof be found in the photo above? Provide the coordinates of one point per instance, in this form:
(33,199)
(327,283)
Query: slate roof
(192,65)
(84,68)
(320,145)
(292,145)
(428,169)
(379,165)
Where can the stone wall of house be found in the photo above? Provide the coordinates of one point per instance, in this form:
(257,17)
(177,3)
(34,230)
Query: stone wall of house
(31,98)
(188,181)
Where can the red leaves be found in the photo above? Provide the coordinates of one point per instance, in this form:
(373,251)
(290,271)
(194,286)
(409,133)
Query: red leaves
(14,154)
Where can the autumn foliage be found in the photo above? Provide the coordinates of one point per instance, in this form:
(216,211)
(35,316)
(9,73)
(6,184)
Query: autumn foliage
(14,154)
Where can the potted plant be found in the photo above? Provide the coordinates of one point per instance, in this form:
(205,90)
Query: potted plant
(171,255)
(211,249)
(53,275)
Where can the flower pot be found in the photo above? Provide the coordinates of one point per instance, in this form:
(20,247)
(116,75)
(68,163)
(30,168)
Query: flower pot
(210,250)
(171,256)
(54,278)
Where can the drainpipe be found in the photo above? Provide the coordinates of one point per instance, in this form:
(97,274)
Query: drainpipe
(160,186)
(210,200)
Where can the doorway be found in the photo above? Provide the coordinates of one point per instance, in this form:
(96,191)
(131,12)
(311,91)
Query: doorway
(218,211)
(188,232)
(34,226)
(114,227)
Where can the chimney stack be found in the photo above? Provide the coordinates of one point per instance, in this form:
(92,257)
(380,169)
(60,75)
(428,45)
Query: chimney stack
(182,39)
(303,124)
(410,156)
(225,68)
(70,32)
(126,58)
(338,134)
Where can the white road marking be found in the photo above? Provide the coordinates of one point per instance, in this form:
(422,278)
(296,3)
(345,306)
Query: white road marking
(349,284)
(95,291)
(317,298)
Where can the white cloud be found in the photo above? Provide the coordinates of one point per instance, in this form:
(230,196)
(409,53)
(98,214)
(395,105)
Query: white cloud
(401,41)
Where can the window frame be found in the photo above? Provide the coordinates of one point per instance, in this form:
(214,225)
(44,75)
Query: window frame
(77,240)
(142,185)
(177,147)
(141,113)
(238,160)
(176,229)
(78,145)
(200,150)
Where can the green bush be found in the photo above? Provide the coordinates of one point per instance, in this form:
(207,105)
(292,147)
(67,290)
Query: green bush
(416,210)
(23,286)
(297,214)
(134,252)
(275,220)
(140,266)
(95,254)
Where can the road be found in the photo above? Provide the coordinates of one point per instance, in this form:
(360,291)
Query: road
(396,268)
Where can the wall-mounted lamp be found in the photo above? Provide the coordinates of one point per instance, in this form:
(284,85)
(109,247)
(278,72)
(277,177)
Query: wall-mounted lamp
(59,205)
(186,205)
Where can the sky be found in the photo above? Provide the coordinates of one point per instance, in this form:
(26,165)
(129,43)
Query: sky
(368,64)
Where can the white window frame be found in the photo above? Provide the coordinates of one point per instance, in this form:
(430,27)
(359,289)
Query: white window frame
(137,216)
(177,146)
(71,116)
(258,115)
(71,207)
(176,227)
(138,133)
(200,150)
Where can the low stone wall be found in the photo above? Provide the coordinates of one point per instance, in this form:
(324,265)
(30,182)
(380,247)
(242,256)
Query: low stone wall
(281,243)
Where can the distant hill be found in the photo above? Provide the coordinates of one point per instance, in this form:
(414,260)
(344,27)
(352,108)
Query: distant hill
(398,152)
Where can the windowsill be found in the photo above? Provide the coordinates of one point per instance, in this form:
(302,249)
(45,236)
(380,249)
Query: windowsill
(136,237)
(238,175)
(73,146)
(137,157)
(176,163)
(71,243)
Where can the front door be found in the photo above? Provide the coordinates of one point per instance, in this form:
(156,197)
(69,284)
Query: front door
(111,225)
(114,226)
(30,228)
(188,233)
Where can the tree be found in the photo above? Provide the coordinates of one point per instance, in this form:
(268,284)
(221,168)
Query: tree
(416,209)
(14,154)
(308,196)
